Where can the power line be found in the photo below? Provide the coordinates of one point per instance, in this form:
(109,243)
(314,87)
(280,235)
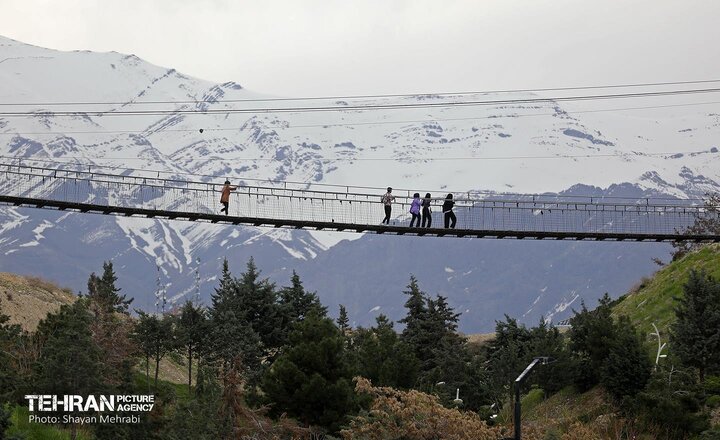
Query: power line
(393,95)
(352,124)
(364,107)
(351,159)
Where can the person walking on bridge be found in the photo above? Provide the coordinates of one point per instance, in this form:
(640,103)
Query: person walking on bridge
(387,200)
(225,196)
(447,209)
(426,212)
(415,210)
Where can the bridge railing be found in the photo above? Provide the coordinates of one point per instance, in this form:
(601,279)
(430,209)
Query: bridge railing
(542,213)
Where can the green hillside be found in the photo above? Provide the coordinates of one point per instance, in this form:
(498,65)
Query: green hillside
(653,301)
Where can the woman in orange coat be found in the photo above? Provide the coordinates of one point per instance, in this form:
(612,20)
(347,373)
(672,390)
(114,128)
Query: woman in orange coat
(225,196)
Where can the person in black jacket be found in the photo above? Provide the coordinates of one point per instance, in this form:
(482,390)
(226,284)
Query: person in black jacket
(426,213)
(447,209)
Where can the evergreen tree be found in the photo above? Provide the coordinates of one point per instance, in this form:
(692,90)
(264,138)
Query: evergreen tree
(431,332)
(102,290)
(191,333)
(546,340)
(449,359)
(383,358)
(311,380)
(591,336)
(296,302)
(418,333)
(111,326)
(258,298)
(69,361)
(155,338)
(231,338)
(694,335)
(9,377)
(507,355)
(627,368)
(672,400)
(343,321)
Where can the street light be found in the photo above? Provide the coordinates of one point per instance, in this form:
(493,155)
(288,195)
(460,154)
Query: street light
(518,383)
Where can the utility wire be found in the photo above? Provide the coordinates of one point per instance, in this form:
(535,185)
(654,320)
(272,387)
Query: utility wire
(351,159)
(395,95)
(352,124)
(362,107)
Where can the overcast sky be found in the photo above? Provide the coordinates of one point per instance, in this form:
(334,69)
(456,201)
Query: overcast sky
(318,47)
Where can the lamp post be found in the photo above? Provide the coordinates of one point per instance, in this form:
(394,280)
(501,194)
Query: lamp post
(518,383)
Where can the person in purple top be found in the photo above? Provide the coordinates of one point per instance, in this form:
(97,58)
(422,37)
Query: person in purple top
(415,210)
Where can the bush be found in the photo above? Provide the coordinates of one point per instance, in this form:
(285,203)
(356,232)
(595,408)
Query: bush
(673,407)
(713,401)
(412,415)
(578,431)
(712,385)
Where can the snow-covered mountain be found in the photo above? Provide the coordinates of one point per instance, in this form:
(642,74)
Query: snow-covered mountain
(523,148)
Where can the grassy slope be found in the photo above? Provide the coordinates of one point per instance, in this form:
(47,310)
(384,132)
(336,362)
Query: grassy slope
(653,301)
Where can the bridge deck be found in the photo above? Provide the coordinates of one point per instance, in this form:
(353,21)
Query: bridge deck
(521,217)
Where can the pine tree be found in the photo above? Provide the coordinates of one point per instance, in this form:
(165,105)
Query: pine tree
(296,302)
(507,356)
(155,337)
(311,380)
(9,374)
(591,335)
(343,321)
(431,332)
(383,358)
(546,340)
(448,353)
(231,338)
(191,333)
(417,333)
(627,368)
(258,298)
(69,361)
(694,336)
(102,291)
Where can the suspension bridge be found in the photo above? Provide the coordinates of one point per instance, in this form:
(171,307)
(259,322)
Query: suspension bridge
(353,209)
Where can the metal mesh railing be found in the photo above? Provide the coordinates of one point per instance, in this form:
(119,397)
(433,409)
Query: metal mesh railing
(482,212)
